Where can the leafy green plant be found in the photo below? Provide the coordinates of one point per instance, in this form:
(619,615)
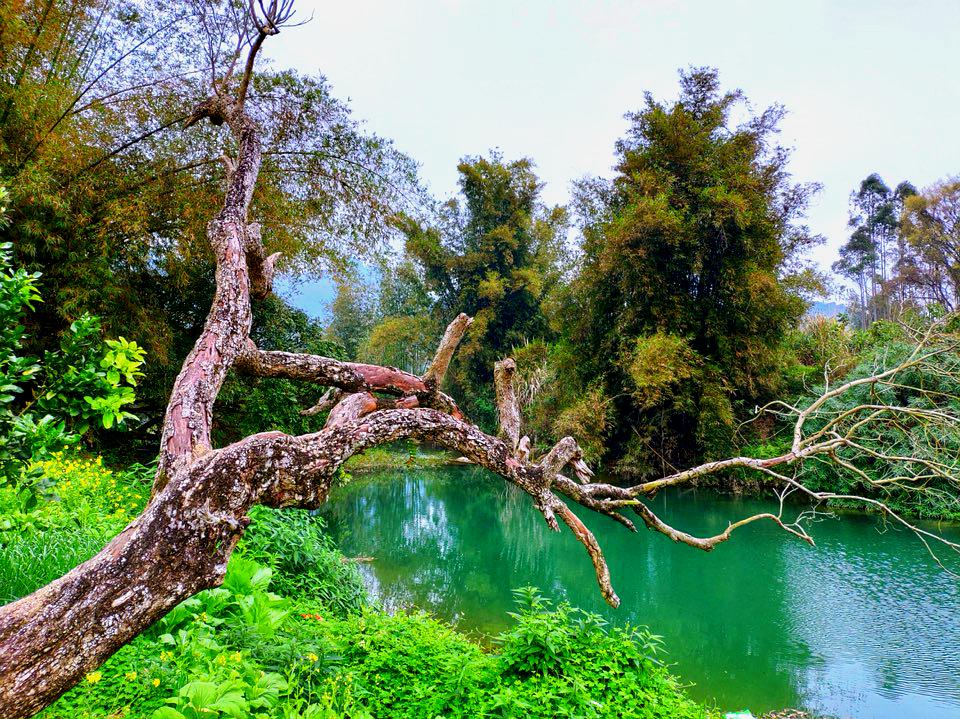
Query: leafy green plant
(47,406)
(90,379)
(304,561)
(290,635)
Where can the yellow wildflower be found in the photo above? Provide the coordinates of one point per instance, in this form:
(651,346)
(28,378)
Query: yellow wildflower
(236,656)
(312,657)
(131,676)
(94,677)
(155,682)
(221,659)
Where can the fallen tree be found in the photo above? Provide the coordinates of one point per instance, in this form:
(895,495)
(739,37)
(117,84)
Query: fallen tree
(199,509)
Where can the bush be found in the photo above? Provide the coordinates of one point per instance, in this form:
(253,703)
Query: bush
(305,562)
(48,406)
(563,661)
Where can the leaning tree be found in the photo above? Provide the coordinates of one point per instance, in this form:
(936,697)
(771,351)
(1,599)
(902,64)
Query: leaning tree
(202,495)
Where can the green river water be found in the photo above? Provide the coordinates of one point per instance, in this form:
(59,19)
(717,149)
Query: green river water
(864,625)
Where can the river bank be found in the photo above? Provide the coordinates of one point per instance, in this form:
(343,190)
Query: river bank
(858,626)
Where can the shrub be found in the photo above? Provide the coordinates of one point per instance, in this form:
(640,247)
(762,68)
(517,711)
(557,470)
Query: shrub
(47,406)
(563,661)
(305,562)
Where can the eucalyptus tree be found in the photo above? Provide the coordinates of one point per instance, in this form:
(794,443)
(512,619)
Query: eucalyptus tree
(873,256)
(202,494)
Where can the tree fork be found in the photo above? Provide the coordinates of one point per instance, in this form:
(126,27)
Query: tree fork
(182,541)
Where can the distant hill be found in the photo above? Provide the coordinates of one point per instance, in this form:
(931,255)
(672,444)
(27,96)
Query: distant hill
(827,309)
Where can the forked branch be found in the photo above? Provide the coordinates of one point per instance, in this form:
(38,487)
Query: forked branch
(202,495)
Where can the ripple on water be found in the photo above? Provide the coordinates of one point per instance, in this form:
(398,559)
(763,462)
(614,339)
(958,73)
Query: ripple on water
(863,625)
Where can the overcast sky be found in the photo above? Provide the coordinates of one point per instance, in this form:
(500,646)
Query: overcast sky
(869,86)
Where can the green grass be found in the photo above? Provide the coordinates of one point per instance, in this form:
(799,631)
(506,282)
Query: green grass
(399,456)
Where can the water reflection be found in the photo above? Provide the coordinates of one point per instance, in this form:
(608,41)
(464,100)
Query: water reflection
(863,625)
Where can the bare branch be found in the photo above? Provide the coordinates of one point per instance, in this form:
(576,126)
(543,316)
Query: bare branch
(507,407)
(327,401)
(348,376)
(586,538)
(454,333)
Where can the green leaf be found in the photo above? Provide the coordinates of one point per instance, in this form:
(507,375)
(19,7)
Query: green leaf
(166,713)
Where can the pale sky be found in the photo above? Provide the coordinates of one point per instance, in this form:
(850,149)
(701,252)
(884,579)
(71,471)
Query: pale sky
(869,86)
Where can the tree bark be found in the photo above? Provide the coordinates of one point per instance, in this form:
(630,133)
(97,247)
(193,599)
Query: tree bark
(198,511)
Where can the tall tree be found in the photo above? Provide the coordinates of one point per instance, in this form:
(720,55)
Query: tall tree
(407,330)
(872,256)
(496,254)
(931,228)
(199,507)
(858,257)
(681,302)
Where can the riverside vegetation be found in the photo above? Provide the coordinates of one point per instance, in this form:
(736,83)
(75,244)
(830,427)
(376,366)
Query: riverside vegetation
(672,331)
(291,634)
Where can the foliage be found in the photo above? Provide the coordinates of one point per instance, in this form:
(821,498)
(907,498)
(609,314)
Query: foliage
(303,559)
(571,663)
(399,455)
(89,378)
(686,257)
(936,388)
(249,405)
(77,506)
(875,254)
(657,362)
(44,407)
(497,254)
(109,198)
(407,342)
(824,347)
(931,227)
(588,419)
(353,314)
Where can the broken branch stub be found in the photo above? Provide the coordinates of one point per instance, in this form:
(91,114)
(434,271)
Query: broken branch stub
(507,406)
(437,370)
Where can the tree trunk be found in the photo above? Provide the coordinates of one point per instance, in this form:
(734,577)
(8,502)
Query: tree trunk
(198,511)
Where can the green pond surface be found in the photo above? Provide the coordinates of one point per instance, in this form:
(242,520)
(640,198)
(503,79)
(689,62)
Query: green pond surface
(865,624)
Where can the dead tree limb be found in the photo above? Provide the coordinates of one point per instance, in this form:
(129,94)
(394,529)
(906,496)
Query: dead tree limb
(182,541)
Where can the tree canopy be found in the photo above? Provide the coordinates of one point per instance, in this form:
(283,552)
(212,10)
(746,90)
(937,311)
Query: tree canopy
(496,253)
(684,291)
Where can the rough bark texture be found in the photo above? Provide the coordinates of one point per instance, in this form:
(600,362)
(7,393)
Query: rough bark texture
(198,511)
(507,407)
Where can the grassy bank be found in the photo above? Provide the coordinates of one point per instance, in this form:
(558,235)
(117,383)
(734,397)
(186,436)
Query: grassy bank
(400,455)
(291,634)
